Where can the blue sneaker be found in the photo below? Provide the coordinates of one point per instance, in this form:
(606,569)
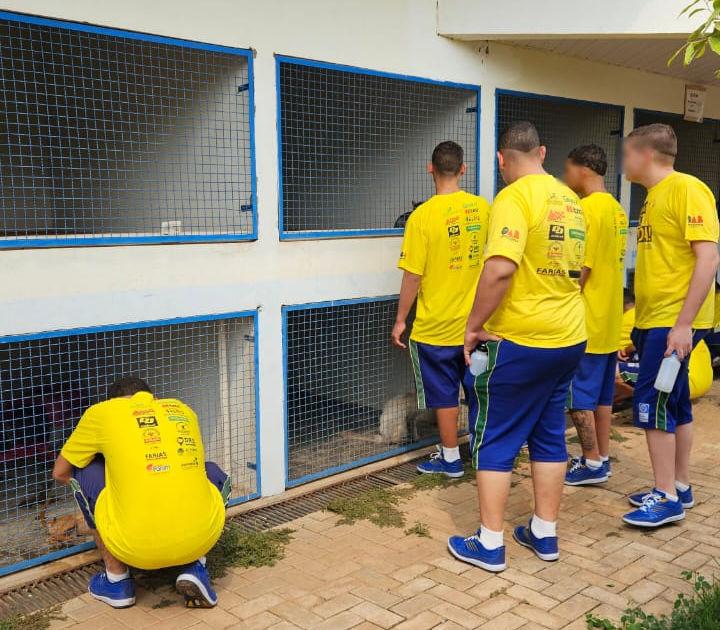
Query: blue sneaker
(194,584)
(606,465)
(116,594)
(437,464)
(470,550)
(581,475)
(544,548)
(656,510)
(686,498)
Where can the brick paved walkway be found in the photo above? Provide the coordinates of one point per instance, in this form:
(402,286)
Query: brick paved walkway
(362,577)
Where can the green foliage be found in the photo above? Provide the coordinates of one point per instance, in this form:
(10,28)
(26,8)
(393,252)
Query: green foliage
(419,529)
(163,603)
(706,35)
(438,480)
(616,436)
(700,611)
(38,620)
(379,506)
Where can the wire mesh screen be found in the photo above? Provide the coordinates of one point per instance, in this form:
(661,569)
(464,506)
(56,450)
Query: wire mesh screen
(355,145)
(107,136)
(47,382)
(564,124)
(350,394)
(698,152)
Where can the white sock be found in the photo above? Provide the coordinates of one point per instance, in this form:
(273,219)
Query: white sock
(593,464)
(451,454)
(604,458)
(542,529)
(490,539)
(683,487)
(117,577)
(671,497)
(203,560)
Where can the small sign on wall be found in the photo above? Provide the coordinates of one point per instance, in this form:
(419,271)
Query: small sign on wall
(694,103)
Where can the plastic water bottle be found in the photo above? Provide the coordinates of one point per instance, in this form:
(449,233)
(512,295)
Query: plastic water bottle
(667,375)
(479,360)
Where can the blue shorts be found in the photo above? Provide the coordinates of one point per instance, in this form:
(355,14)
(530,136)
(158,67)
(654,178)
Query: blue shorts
(594,382)
(87,484)
(653,409)
(439,372)
(520,398)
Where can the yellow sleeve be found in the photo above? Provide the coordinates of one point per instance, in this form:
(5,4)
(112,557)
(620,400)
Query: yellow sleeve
(592,233)
(697,211)
(509,226)
(83,444)
(413,255)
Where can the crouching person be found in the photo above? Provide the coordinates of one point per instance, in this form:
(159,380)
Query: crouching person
(138,472)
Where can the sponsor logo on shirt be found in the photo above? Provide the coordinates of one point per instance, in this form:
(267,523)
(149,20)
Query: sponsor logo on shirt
(146,421)
(155,455)
(186,441)
(555,251)
(182,427)
(550,271)
(453,230)
(455,243)
(151,436)
(578,234)
(473,228)
(556,232)
(143,412)
(644,234)
(177,418)
(556,215)
(192,464)
(154,468)
(403,255)
(452,220)
(697,220)
(508,233)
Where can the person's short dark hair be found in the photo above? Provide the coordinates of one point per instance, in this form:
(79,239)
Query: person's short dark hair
(447,159)
(519,136)
(592,156)
(127,386)
(628,297)
(658,136)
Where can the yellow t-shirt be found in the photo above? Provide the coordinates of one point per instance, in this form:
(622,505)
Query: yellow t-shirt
(700,371)
(537,222)
(606,228)
(158,508)
(444,242)
(628,323)
(678,210)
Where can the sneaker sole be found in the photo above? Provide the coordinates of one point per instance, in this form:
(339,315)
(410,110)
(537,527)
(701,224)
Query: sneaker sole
(493,568)
(686,506)
(587,482)
(114,603)
(665,521)
(452,475)
(547,557)
(194,592)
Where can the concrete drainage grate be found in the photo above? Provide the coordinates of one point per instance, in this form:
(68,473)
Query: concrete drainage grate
(63,586)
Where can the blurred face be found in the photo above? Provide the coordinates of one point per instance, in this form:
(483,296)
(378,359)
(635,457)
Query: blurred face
(573,175)
(637,160)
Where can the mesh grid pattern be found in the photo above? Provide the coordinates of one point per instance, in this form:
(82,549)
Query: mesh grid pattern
(355,145)
(46,383)
(113,137)
(698,152)
(350,394)
(564,124)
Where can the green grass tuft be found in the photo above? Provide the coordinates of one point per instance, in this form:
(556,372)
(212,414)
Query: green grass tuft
(438,480)
(615,436)
(38,620)
(498,592)
(419,529)
(164,603)
(699,611)
(379,506)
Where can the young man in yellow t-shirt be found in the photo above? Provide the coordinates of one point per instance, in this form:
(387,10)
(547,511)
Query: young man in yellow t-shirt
(591,392)
(677,259)
(529,311)
(441,259)
(138,472)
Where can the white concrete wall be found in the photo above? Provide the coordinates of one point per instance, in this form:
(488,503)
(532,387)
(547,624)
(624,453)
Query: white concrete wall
(61,288)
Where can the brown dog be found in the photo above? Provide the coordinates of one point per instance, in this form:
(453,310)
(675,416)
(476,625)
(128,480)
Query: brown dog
(64,530)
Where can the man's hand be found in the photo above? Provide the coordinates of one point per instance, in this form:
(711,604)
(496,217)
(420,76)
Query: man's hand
(397,334)
(679,341)
(63,470)
(624,354)
(473,339)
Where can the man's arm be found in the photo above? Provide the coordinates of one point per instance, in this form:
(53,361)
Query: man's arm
(62,472)
(492,287)
(408,292)
(706,263)
(584,275)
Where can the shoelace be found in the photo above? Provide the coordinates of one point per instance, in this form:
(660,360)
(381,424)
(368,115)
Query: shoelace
(577,464)
(473,542)
(650,500)
(436,455)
